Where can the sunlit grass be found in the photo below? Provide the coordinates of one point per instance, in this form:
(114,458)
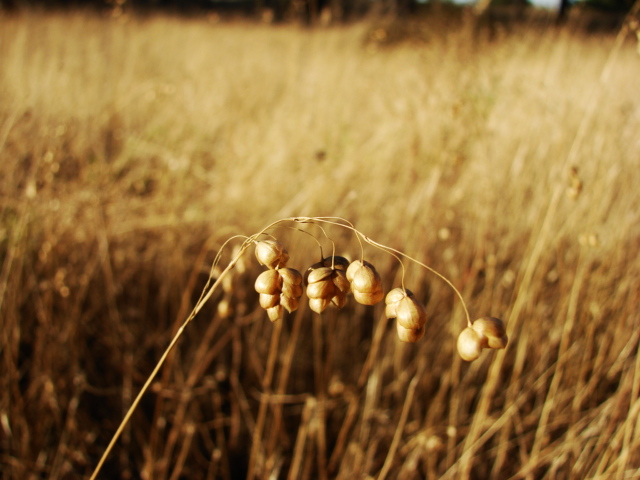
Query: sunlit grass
(130,151)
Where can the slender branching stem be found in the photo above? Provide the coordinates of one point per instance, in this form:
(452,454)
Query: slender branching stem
(209,289)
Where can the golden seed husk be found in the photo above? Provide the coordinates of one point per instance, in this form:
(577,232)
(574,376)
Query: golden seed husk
(393,298)
(313,267)
(410,313)
(368,298)
(339,300)
(318,305)
(355,266)
(289,303)
(341,282)
(469,344)
(293,291)
(366,284)
(397,294)
(366,280)
(409,335)
(321,273)
(322,289)
(269,282)
(290,276)
(493,330)
(271,253)
(497,343)
(275,313)
(268,301)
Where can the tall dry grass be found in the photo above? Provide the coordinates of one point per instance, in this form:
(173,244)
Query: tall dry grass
(131,150)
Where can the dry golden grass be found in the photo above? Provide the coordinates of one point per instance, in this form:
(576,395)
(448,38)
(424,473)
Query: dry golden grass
(130,151)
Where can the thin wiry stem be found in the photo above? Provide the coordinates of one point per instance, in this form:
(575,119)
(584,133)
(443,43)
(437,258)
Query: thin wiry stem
(201,302)
(337,221)
(208,292)
(311,235)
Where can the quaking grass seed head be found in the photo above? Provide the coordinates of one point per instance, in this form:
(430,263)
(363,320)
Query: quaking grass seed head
(279,290)
(392,299)
(493,330)
(326,285)
(338,263)
(485,332)
(267,301)
(343,287)
(409,335)
(271,253)
(292,290)
(289,303)
(269,282)
(319,305)
(366,283)
(469,344)
(410,314)
(290,276)
(275,313)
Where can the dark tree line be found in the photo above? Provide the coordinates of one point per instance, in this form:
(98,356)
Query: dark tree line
(308,11)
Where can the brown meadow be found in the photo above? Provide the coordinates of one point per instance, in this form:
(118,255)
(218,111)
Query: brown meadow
(132,149)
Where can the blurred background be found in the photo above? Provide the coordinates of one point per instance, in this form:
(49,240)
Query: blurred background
(497,142)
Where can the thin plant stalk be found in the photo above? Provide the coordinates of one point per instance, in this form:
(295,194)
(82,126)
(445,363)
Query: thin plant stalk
(208,292)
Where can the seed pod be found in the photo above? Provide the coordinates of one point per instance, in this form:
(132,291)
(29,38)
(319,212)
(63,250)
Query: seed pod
(319,274)
(409,335)
(410,313)
(365,279)
(289,303)
(469,344)
(339,300)
(322,289)
(294,291)
(318,305)
(354,266)
(291,282)
(271,253)
(290,275)
(312,268)
(342,288)
(269,282)
(320,283)
(268,301)
(275,313)
(339,263)
(366,283)
(325,283)
(493,330)
(391,300)
(368,298)
(341,282)
(397,294)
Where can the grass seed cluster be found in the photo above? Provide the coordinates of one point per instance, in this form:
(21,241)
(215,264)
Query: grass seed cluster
(329,281)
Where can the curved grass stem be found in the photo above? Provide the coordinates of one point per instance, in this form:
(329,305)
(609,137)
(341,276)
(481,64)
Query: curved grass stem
(397,253)
(209,289)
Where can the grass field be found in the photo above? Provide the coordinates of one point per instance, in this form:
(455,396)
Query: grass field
(131,150)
